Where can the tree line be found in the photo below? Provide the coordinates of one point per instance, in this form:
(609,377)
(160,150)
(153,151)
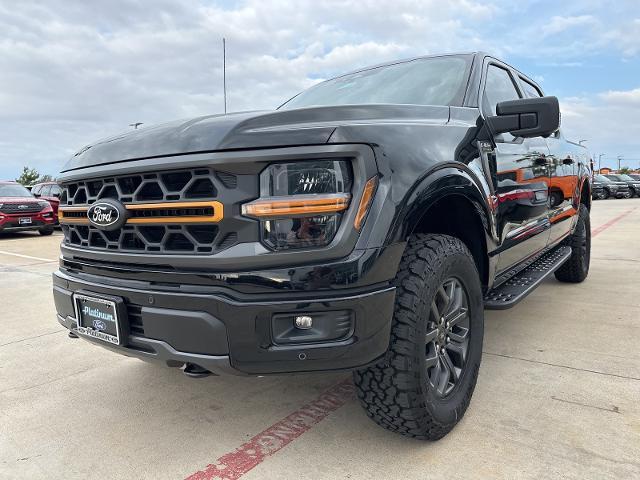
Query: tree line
(29,176)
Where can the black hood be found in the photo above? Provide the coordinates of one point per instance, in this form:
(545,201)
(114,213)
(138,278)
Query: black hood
(281,128)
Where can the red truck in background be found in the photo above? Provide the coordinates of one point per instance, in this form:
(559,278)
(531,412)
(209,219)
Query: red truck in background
(49,191)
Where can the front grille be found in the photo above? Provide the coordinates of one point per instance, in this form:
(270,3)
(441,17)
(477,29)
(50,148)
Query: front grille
(152,239)
(169,212)
(175,185)
(23,207)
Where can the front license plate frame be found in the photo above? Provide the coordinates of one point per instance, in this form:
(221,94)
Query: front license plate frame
(100,317)
(25,221)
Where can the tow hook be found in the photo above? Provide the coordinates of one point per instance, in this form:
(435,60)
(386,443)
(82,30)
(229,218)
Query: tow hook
(195,371)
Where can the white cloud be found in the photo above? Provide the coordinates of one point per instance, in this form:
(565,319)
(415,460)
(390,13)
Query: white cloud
(625,99)
(610,121)
(626,37)
(74,71)
(559,24)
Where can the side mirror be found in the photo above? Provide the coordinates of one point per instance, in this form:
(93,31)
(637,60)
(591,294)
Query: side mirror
(526,117)
(37,195)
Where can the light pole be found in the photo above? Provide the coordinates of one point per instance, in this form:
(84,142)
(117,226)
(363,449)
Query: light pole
(224,72)
(599,158)
(619,160)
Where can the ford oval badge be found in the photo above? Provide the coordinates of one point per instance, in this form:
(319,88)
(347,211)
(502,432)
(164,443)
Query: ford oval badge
(99,325)
(107,215)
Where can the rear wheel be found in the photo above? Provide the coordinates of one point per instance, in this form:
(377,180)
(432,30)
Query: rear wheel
(576,269)
(423,385)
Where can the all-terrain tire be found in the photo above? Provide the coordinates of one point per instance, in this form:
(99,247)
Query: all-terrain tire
(396,392)
(576,269)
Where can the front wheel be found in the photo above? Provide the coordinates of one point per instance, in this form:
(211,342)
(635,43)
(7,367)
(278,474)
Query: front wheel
(46,231)
(423,385)
(576,269)
(605,194)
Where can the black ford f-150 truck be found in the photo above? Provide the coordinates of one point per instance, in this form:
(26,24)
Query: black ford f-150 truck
(364,225)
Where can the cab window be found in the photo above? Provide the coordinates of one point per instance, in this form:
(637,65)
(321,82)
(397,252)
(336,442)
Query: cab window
(498,87)
(45,191)
(530,90)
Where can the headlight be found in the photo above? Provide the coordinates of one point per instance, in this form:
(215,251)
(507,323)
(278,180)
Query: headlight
(301,203)
(44,203)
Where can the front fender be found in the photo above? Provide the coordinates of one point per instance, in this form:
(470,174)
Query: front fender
(444,180)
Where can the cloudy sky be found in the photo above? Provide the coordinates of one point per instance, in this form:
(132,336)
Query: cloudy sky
(75,71)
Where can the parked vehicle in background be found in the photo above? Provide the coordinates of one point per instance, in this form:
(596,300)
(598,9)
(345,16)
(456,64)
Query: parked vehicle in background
(635,176)
(632,183)
(623,187)
(20,210)
(365,225)
(611,188)
(49,191)
(597,190)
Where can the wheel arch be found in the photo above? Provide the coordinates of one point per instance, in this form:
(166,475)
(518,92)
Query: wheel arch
(450,201)
(585,193)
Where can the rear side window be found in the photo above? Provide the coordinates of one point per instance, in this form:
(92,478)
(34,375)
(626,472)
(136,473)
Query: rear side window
(56,191)
(498,87)
(36,189)
(530,90)
(46,191)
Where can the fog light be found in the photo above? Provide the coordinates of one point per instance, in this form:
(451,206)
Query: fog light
(304,322)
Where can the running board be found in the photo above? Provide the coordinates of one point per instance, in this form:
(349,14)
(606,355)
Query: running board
(509,293)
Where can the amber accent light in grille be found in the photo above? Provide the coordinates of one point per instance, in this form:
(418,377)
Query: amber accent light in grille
(154,213)
(73,215)
(365,202)
(179,212)
(297,205)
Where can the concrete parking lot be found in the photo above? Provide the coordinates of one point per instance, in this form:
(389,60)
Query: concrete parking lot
(558,394)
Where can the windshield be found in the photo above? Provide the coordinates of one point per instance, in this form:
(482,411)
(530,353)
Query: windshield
(423,81)
(634,176)
(626,178)
(14,190)
(614,178)
(603,179)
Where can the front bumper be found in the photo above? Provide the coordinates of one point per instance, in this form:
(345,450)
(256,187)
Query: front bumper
(225,335)
(597,192)
(11,222)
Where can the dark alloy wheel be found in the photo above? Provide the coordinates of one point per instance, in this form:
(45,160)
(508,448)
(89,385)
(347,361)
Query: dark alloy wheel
(605,194)
(576,268)
(447,336)
(422,386)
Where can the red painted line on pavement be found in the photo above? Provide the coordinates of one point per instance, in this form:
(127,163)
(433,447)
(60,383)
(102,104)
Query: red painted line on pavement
(611,222)
(234,465)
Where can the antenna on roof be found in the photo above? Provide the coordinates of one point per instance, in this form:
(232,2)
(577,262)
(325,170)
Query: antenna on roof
(224,72)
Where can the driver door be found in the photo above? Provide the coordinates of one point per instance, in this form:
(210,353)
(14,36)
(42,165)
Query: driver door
(521,179)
